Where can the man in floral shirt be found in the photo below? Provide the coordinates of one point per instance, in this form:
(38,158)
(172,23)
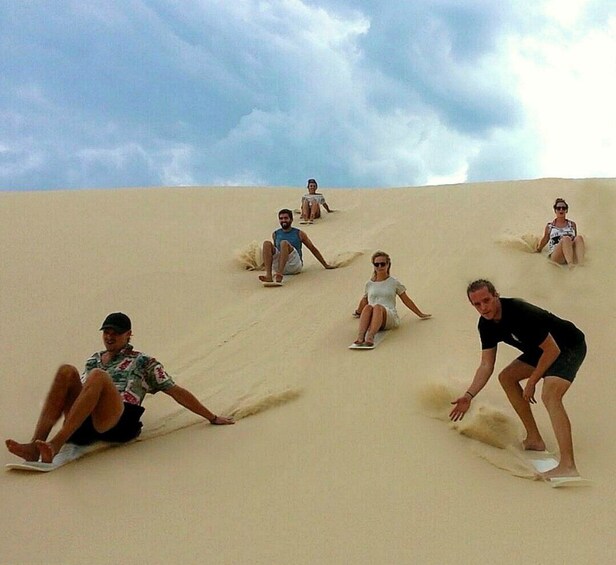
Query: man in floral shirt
(104,404)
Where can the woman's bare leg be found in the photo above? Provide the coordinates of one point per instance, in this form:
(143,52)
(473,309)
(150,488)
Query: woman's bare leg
(377,323)
(579,249)
(364,322)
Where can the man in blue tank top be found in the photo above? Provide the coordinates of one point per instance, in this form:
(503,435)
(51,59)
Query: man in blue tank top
(283,255)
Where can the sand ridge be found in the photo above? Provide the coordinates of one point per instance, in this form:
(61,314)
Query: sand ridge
(339,460)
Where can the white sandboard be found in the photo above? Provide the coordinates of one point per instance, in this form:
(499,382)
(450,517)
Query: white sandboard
(378,338)
(271,283)
(544,461)
(67,454)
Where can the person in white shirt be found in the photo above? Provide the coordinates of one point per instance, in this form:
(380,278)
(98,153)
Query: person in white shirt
(377,308)
(312,202)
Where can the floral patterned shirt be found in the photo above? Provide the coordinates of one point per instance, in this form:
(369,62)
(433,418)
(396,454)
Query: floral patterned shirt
(133,373)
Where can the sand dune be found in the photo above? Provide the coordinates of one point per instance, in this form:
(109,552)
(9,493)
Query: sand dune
(337,456)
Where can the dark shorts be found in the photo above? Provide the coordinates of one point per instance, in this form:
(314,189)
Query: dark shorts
(127,428)
(566,365)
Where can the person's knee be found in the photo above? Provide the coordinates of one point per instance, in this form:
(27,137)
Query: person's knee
(506,379)
(98,378)
(67,374)
(566,239)
(285,245)
(550,397)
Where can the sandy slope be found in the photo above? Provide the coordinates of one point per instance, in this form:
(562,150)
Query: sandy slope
(347,466)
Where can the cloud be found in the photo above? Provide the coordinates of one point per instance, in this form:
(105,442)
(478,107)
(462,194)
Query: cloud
(273,92)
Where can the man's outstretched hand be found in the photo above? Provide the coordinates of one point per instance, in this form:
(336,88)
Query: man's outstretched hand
(461,407)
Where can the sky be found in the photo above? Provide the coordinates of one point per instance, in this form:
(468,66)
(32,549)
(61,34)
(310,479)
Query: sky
(355,93)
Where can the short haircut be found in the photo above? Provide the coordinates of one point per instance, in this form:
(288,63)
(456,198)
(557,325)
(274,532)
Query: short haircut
(286,211)
(478,285)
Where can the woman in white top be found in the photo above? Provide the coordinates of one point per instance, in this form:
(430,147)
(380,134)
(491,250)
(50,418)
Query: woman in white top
(565,246)
(312,202)
(377,308)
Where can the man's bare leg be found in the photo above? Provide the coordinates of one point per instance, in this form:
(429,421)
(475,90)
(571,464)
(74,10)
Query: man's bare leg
(64,390)
(552,394)
(268,255)
(283,257)
(510,379)
(99,398)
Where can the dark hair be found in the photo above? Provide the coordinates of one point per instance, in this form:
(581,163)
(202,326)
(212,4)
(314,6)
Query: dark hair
(559,200)
(286,211)
(312,180)
(478,285)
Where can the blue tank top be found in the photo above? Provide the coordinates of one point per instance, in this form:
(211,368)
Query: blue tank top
(292,236)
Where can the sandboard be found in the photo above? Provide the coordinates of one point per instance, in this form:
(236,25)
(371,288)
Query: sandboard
(67,454)
(305,222)
(272,283)
(378,338)
(544,461)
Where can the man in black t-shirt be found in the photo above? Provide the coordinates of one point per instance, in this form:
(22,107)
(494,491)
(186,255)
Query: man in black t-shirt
(552,349)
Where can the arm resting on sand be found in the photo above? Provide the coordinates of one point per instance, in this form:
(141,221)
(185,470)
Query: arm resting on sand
(544,239)
(306,241)
(362,303)
(411,305)
(189,400)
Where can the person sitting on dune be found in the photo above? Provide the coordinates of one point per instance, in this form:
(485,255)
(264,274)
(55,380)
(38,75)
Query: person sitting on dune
(565,246)
(312,202)
(104,404)
(377,307)
(553,349)
(283,255)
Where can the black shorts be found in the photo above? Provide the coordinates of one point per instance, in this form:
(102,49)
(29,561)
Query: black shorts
(566,365)
(127,428)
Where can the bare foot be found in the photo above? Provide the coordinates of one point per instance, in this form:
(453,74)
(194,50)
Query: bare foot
(560,472)
(533,445)
(46,450)
(222,421)
(278,277)
(359,341)
(264,278)
(369,341)
(27,451)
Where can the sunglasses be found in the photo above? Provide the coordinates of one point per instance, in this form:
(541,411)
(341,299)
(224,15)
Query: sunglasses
(561,208)
(380,264)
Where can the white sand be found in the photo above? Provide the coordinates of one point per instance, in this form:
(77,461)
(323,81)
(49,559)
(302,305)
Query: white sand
(347,457)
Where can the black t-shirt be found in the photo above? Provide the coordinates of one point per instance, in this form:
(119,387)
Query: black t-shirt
(525,326)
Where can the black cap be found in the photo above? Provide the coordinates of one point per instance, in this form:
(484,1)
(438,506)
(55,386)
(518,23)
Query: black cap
(118,322)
